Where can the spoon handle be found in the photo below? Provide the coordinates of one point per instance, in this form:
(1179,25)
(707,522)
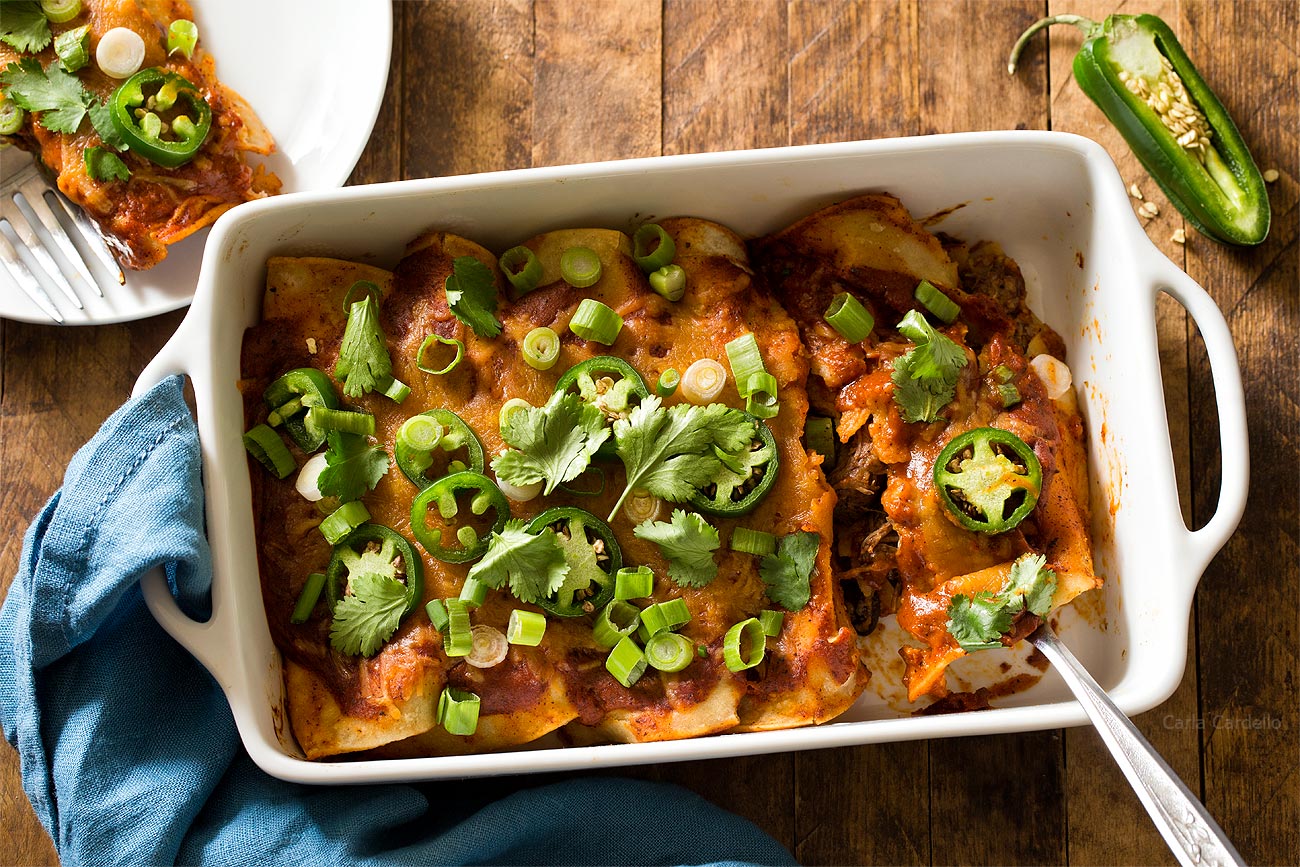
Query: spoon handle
(1190,832)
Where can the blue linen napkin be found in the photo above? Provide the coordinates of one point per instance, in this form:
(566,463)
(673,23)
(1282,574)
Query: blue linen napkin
(129,752)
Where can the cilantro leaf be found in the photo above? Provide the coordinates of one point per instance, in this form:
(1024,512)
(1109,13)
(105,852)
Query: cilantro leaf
(668,452)
(472,295)
(534,564)
(369,615)
(554,442)
(925,378)
(979,622)
(24,26)
(727,479)
(688,543)
(54,92)
(353,466)
(103,124)
(104,165)
(363,357)
(786,573)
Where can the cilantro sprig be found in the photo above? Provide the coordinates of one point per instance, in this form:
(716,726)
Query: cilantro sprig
(978,622)
(54,92)
(472,295)
(669,453)
(925,378)
(687,542)
(368,616)
(552,443)
(534,565)
(353,466)
(787,572)
(24,26)
(363,361)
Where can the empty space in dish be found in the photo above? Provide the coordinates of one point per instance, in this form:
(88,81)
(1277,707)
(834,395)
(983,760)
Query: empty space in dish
(1054,202)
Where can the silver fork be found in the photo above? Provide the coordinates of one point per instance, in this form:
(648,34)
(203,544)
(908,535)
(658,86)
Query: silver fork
(28,200)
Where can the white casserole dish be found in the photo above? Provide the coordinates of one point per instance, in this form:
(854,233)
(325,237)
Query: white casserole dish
(1054,201)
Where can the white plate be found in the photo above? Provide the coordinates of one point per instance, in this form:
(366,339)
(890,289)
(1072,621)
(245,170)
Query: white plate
(315,75)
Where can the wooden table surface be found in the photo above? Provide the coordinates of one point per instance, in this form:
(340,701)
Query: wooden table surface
(479,86)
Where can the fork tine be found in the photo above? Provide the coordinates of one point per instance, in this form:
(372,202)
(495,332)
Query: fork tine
(26,280)
(33,193)
(27,234)
(90,233)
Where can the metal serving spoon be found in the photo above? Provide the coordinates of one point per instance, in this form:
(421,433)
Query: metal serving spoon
(1189,831)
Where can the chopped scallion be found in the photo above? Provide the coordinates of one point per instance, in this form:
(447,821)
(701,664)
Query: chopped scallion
(703,381)
(1003,374)
(762,399)
(1010,395)
(73,47)
(472,592)
(596,321)
(437,614)
(308,598)
(756,542)
(652,247)
(458,711)
(490,647)
(396,390)
(744,645)
(616,621)
(847,316)
(745,359)
(458,640)
(446,341)
(522,268)
(668,382)
(626,662)
(369,288)
(819,436)
(669,651)
(420,433)
(943,307)
(182,36)
(265,444)
(324,418)
(771,621)
(541,348)
(663,617)
(61,11)
(632,583)
(580,267)
(525,627)
(669,281)
(509,408)
(344,520)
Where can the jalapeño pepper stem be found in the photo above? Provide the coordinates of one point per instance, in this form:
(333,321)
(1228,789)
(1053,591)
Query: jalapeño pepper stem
(1087,25)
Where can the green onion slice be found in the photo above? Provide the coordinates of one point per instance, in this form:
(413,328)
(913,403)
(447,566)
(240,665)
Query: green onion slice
(756,542)
(308,598)
(344,520)
(668,382)
(703,381)
(616,621)
(596,321)
(626,662)
(437,614)
(396,390)
(653,248)
(1003,374)
(420,433)
(445,341)
(371,289)
(458,639)
(73,47)
(472,592)
(541,348)
(265,444)
(943,307)
(819,435)
(509,408)
(746,361)
(11,116)
(847,316)
(744,645)
(324,418)
(458,711)
(1010,395)
(762,399)
(490,647)
(663,617)
(771,622)
(580,267)
(61,11)
(632,583)
(669,281)
(669,651)
(522,268)
(525,627)
(182,36)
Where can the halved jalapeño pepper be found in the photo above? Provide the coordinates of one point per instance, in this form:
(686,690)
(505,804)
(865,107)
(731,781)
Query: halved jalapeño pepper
(291,396)
(377,550)
(469,536)
(989,479)
(162,116)
(1133,67)
(593,555)
(422,466)
(744,479)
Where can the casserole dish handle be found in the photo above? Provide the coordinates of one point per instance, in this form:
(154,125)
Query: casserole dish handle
(1200,546)
(208,641)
